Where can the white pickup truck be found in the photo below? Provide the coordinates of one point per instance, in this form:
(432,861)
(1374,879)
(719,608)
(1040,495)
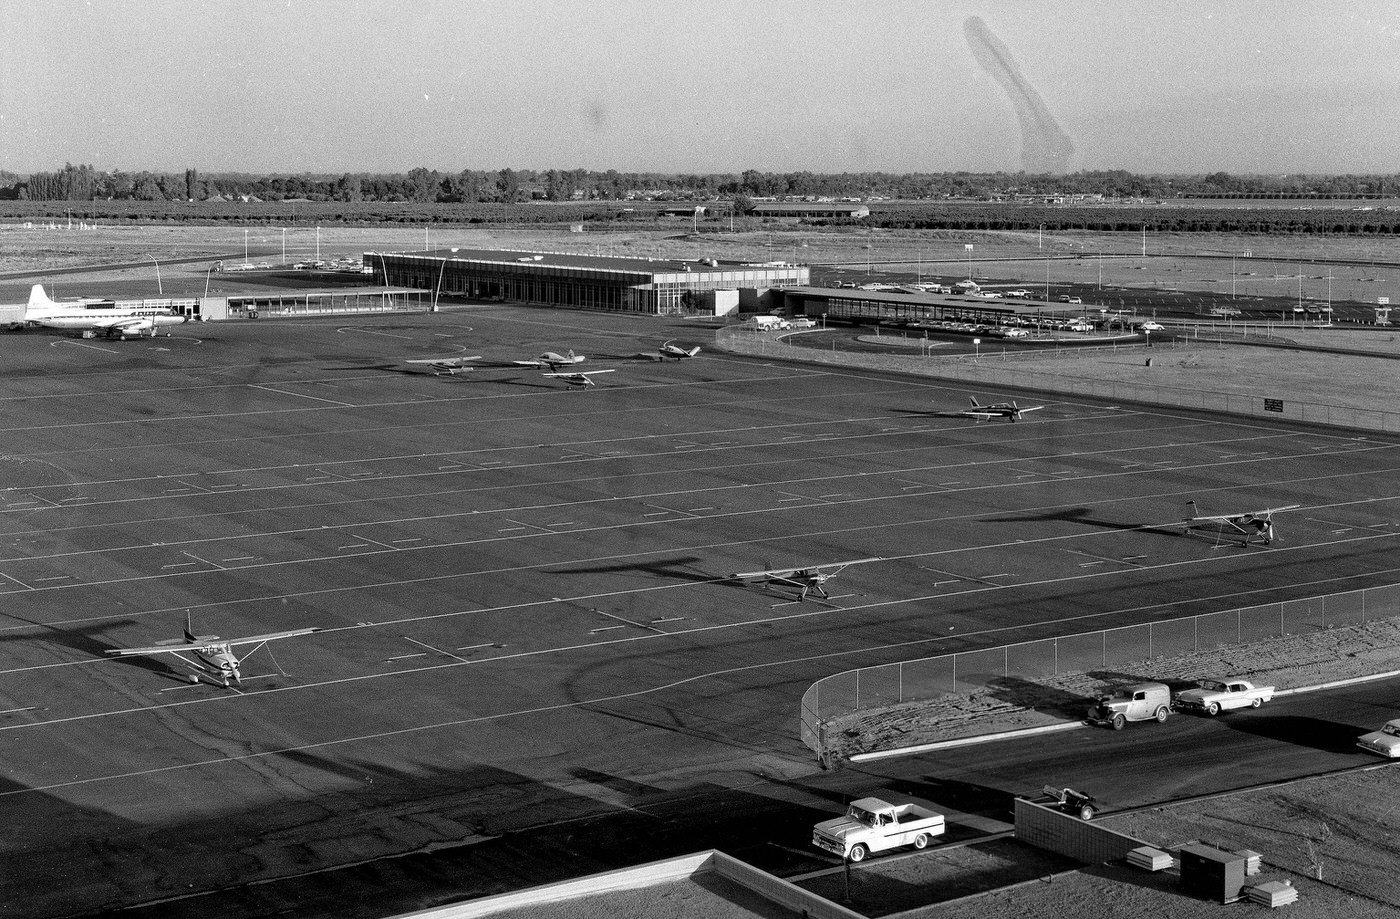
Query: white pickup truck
(1219,694)
(872,825)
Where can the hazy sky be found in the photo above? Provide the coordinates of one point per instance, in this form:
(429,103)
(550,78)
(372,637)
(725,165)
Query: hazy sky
(1245,86)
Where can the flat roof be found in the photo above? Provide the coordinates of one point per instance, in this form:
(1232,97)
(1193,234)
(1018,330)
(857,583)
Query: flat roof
(597,262)
(1003,305)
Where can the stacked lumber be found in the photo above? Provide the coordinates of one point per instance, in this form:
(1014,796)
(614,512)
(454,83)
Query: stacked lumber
(1149,858)
(1273,893)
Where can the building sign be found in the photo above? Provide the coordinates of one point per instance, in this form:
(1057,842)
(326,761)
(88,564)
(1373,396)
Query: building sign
(1273,405)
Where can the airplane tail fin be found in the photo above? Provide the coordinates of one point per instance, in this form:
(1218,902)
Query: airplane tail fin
(973,400)
(694,351)
(572,359)
(39,302)
(189,627)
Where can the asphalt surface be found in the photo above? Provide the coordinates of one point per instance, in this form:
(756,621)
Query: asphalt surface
(530,631)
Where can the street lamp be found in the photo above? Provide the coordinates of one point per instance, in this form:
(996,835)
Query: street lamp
(159,285)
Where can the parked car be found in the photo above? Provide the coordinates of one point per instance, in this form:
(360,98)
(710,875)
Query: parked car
(1215,695)
(872,825)
(1386,741)
(1150,326)
(1135,702)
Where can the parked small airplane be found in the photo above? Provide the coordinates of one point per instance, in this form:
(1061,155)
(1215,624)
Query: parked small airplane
(1250,525)
(213,656)
(447,365)
(670,349)
(577,377)
(552,360)
(90,316)
(1008,410)
(812,577)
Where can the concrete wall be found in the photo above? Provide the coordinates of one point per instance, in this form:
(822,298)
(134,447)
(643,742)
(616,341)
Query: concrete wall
(1067,835)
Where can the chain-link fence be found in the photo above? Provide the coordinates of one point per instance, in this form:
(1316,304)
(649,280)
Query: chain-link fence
(965,671)
(996,370)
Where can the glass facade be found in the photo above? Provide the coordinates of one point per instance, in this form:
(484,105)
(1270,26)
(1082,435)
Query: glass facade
(610,285)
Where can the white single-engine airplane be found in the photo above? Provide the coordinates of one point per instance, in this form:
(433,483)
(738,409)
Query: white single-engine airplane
(552,360)
(92,316)
(1249,526)
(580,378)
(980,413)
(446,365)
(810,578)
(671,349)
(212,656)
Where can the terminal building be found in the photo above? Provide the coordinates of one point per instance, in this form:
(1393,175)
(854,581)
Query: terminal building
(657,287)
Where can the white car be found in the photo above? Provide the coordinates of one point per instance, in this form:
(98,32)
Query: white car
(1150,326)
(802,322)
(1080,327)
(1386,741)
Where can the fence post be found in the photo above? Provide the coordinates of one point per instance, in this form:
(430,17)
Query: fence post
(901,681)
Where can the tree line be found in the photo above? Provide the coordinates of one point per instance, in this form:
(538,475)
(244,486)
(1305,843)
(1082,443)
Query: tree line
(473,186)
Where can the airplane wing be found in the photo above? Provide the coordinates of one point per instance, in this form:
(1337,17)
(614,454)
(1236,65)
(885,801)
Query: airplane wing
(1030,408)
(783,574)
(271,636)
(445,361)
(531,363)
(1231,518)
(976,416)
(174,648)
(840,565)
(577,373)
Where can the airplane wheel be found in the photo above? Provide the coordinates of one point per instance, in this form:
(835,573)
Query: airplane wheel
(194,678)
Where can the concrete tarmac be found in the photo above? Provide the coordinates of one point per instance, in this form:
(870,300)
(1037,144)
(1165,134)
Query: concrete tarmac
(525,591)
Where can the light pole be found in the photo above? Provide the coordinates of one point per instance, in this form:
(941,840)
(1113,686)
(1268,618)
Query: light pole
(159,286)
(284,246)
(438,291)
(245,247)
(968,247)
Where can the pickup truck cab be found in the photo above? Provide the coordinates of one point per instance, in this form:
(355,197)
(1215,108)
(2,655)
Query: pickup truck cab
(873,825)
(1220,694)
(1136,702)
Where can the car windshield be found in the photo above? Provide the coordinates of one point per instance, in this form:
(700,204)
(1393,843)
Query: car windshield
(1212,686)
(864,816)
(1391,728)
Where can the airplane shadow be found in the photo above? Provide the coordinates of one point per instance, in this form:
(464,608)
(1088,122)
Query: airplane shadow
(1086,516)
(680,568)
(86,642)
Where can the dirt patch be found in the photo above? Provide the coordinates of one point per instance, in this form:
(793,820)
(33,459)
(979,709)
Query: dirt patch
(1287,663)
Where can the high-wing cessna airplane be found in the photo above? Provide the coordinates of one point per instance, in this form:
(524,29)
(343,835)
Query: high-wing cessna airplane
(810,578)
(671,349)
(1008,410)
(552,360)
(1248,526)
(93,316)
(446,365)
(578,378)
(211,656)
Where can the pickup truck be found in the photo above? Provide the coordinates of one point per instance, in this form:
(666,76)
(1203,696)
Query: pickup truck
(872,825)
(1219,694)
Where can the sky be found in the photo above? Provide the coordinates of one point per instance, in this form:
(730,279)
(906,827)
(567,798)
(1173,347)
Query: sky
(701,86)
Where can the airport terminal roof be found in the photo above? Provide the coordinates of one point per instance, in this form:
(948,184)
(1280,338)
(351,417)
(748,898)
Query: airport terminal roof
(638,264)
